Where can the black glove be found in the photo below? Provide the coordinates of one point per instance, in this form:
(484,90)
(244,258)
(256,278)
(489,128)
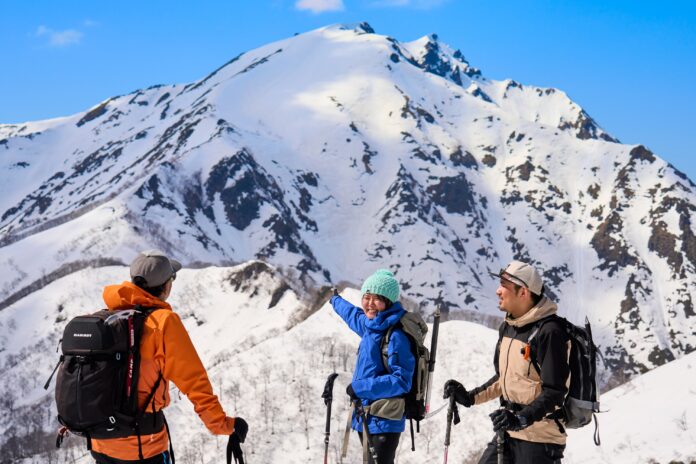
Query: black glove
(507,420)
(240,428)
(461,396)
(334,291)
(350,392)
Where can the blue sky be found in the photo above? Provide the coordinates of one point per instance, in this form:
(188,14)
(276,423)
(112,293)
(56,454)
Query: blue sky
(630,64)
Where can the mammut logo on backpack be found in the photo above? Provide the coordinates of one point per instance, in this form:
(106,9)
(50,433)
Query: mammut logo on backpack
(82,335)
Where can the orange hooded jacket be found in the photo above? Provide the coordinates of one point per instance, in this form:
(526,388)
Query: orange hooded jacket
(165,347)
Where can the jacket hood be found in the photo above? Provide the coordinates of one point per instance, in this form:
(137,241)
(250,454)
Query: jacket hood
(127,295)
(386,318)
(543,309)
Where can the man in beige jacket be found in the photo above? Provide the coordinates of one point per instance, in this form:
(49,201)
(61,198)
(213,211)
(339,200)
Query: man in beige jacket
(530,378)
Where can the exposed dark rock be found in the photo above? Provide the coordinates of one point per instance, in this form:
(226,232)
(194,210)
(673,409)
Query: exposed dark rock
(481,94)
(659,357)
(93,114)
(593,190)
(489,160)
(630,311)
(243,186)
(643,154)
(466,160)
(367,157)
(610,247)
(510,198)
(162,98)
(394,57)
(151,191)
(259,62)
(309,178)
(433,158)
(525,170)
(586,128)
(664,244)
(455,194)
(209,76)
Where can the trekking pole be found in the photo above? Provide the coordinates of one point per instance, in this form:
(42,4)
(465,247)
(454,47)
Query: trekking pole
(431,362)
(500,441)
(366,433)
(328,398)
(452,414)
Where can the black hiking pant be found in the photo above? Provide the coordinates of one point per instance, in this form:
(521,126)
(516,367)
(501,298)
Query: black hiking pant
(523,452)
(162,458)
(385,446)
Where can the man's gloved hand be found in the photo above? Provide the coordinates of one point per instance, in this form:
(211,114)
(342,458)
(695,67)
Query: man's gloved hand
(461,396)
(350,392)
(334,291)
(240,428)
(506,420)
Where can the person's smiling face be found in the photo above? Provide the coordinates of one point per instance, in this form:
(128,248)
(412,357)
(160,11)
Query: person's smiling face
(372,304)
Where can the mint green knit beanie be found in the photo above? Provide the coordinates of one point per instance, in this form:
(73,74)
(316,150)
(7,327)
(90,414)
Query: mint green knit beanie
(382,283)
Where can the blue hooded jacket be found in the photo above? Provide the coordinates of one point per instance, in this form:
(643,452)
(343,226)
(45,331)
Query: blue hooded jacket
(371,380)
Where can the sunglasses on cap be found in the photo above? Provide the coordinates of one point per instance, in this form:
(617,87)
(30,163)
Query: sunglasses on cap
(511,278)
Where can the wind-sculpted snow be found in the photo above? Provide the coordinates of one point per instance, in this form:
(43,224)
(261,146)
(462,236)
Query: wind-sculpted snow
(336,152)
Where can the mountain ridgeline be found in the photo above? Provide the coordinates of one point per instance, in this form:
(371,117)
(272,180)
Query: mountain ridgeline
(339,151)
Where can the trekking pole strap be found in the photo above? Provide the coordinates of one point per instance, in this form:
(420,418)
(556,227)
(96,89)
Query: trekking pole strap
(234,448)
(597,441)
(346,436)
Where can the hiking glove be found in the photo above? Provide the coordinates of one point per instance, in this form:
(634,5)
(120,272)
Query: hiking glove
(350,392)
(507,420)
(240,428)
(461,396)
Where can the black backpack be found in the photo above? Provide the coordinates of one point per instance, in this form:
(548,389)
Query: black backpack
(415,328)
(582,401)
(96,385)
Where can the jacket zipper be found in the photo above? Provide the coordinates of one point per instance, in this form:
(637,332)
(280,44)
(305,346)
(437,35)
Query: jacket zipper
(507,364)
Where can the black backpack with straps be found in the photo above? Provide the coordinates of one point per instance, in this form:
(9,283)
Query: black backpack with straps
(582,401)
(97,378)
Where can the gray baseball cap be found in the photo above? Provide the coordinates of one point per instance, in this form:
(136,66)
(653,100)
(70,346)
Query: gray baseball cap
(522,274)
(153,266)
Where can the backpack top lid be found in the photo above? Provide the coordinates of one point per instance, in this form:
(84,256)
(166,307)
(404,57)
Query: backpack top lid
(104,332)
(414,325)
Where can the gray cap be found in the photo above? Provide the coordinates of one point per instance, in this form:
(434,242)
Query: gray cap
(154,266)
(522,274)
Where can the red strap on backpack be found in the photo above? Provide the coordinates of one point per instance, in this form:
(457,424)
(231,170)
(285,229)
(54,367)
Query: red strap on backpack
(131,356)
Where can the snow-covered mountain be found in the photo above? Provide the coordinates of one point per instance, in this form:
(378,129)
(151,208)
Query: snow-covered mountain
(328,155)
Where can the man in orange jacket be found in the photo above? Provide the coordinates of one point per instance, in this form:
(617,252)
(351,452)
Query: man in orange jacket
(166,350)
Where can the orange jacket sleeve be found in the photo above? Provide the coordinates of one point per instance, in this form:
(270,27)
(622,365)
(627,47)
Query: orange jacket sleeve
(183,367)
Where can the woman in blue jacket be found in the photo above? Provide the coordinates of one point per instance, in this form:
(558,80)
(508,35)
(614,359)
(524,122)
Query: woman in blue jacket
(379,388)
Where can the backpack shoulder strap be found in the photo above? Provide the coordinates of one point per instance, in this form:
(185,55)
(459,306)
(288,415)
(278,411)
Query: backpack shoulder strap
(385,344)
(535,332)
